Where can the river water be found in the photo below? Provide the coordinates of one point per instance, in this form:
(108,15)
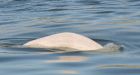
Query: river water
(106,21)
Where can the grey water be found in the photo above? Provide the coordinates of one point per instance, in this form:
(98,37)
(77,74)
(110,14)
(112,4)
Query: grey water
(105,21)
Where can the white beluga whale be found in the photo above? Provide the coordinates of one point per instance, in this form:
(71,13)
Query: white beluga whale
(65,41)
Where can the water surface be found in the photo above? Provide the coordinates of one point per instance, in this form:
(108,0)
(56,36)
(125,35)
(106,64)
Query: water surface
(116,21)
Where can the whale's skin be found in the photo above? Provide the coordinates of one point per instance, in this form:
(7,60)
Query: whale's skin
(65,40)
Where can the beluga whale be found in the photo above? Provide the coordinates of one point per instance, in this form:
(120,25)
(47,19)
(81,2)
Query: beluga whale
(65,41)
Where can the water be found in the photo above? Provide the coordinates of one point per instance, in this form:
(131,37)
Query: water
(105,21)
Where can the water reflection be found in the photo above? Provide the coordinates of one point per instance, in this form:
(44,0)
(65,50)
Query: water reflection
(69,72)
(67,59)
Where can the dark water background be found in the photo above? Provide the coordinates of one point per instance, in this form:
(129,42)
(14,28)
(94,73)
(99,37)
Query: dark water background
(106,20)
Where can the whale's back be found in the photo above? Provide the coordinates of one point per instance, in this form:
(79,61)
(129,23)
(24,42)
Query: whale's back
(64,40)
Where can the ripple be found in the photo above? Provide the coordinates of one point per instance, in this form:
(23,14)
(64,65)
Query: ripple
(120,66)
(120,69)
